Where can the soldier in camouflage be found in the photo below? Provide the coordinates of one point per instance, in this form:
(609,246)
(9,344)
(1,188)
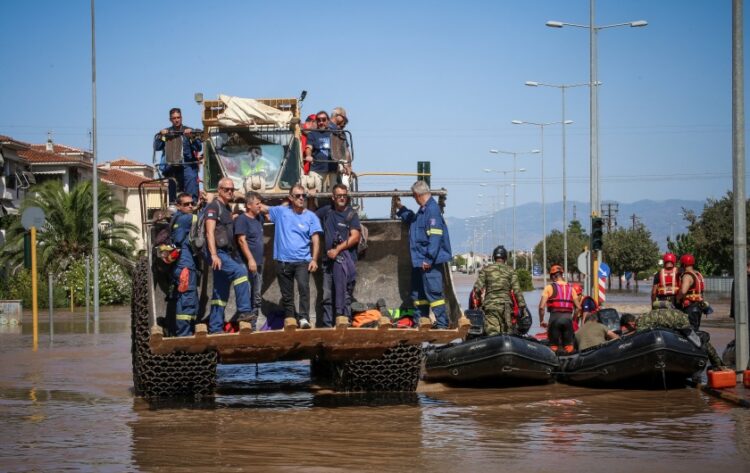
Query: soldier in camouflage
(663,315)
(493,287)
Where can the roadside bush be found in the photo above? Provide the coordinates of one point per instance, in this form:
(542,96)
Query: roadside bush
(114,283)
(524,280)
(18,286)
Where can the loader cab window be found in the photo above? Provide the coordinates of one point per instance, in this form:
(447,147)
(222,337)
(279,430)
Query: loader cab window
(242,155)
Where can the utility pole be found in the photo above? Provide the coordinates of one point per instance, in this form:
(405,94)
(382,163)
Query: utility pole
(635,219)
(609,214)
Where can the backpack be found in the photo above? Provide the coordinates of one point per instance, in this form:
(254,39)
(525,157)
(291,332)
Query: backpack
(363,235)
(197,236)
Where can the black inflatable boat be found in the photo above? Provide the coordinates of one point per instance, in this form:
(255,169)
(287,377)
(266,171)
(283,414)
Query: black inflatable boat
(507,359)
(652,358)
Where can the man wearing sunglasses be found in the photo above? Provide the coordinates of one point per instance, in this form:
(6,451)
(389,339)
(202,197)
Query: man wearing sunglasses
(184,277)
(185,170)
(318,153)
(341,232)
(295,251)
(430,247)
(227,267)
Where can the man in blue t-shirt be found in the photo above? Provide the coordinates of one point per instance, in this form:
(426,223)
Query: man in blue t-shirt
(341,231)
(295,250)
(248,229)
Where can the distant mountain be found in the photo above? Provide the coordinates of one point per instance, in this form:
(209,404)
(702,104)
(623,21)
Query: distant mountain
(662,218)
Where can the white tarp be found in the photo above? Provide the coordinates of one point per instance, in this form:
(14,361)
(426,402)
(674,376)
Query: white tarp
(241,111)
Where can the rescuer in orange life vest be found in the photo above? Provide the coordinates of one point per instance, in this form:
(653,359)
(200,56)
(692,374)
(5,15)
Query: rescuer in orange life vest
(666,281)
(689,298)
(561,300)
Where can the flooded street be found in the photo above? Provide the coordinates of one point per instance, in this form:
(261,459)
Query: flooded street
(70,407)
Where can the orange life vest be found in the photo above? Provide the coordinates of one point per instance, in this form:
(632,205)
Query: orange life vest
(368,318)
(667,285)
(695,292)
(561,299)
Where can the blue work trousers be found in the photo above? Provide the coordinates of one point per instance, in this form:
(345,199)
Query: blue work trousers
(186,303)
(233,272)
(184,178)
(427,293)
(338,288)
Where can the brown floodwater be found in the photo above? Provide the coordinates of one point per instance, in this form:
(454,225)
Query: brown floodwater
(69,407)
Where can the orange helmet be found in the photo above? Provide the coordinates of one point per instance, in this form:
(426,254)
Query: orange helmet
(556,268)
(669,258)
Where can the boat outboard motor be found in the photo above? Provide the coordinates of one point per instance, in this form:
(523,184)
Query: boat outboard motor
(476,317)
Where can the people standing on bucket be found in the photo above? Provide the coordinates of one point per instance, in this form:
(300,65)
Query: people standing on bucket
(183,168)
(184,275)
(493,287)
(248,229)
(341,234)
(228,269)
(296,247)
(560,299)
(430,248)
(666,281)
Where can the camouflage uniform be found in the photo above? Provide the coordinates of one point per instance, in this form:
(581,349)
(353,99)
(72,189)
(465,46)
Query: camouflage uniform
(497,280)
(677,320)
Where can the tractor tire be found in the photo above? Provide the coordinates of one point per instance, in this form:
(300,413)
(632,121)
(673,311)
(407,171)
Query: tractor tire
(164,376)
(397,370)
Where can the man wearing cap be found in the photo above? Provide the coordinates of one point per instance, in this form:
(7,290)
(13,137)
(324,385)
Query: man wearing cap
(561,300)
(493,287)
(340,145)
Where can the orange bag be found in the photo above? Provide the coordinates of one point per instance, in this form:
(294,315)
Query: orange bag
(368,318)
(746,378)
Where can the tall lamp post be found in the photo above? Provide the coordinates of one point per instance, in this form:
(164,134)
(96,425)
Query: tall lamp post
(594,106)
(505,194)
(544,208)
(562,88)
(515,170)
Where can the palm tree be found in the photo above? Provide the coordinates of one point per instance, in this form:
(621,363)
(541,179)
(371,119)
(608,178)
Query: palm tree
(67,235)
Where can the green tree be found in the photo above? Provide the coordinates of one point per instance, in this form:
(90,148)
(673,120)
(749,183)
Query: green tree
(577,240)
(67,236)
(710,236)
(630,249)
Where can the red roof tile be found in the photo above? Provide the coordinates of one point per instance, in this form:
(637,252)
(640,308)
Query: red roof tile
(124,162)
(45,157)
(125,179)
(60,149)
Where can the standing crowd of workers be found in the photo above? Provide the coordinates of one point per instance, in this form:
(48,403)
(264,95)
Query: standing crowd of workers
(234,243)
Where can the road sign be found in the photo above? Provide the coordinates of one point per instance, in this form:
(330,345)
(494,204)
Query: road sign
(583,262)
(33,217)
(603,270)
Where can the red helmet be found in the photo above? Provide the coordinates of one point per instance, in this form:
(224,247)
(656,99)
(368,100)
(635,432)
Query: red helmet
(556,268)
(687,260)
(669,258)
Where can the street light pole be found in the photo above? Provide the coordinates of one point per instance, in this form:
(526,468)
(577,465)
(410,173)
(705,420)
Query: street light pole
(562,88)
(594,108)
(544,208)
(515,170)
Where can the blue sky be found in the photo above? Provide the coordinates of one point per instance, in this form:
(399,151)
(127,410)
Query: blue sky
(438,81)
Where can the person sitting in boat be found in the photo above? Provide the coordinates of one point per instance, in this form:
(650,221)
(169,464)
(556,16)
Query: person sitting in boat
(493,289)
(593,332)
(662,315)
(560,299)
(627,324)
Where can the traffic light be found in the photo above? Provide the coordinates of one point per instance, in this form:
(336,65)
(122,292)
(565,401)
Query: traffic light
(597,234)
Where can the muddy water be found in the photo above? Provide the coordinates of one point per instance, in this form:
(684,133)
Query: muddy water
(69,407)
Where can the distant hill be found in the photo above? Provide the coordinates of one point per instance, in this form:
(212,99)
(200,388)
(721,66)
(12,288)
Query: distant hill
(662,218)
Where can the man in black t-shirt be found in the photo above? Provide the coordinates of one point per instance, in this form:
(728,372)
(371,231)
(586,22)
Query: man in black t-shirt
(248,229)
(341,231)
(228,269)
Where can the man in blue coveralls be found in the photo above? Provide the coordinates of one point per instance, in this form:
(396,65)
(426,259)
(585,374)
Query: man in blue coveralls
(183,169)
(184,277)
(430,246)
(228,268)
